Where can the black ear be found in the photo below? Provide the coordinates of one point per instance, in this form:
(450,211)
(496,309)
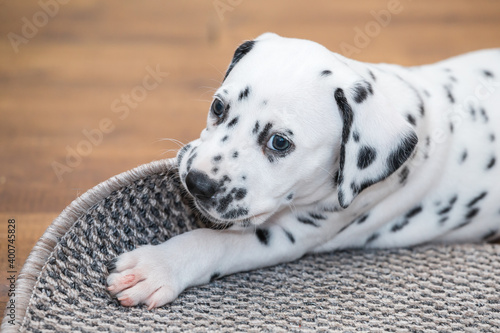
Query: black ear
(376,140)
(240,52)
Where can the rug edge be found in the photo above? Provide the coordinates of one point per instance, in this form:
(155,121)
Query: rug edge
(35,262)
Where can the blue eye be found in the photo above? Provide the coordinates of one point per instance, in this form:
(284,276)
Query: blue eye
(278,143)
(218,107)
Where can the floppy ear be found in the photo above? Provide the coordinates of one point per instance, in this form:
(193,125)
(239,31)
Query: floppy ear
(376,140)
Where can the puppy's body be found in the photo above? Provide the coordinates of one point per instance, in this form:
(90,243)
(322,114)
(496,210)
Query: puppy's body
(307,151)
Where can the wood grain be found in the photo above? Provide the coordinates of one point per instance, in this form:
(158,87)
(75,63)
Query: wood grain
(73,73)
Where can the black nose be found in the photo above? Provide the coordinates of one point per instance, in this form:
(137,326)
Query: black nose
(200,185)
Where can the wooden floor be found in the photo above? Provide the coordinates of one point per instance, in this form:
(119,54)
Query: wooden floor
(78,102)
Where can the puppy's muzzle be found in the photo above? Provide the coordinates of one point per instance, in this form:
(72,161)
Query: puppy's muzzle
(200,185)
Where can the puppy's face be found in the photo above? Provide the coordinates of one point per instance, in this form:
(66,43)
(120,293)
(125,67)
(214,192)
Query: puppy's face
(292,124)
(271,135)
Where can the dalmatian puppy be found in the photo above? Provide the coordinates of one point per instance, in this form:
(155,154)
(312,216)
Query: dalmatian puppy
(308,151)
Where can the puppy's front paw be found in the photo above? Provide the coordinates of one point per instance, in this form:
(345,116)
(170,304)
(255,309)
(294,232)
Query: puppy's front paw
(143,276)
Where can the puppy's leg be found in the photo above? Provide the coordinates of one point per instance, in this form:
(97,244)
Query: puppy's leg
(156,275)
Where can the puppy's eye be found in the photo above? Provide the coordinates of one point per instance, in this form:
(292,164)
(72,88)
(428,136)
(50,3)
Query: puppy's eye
(278,143)
(218,107)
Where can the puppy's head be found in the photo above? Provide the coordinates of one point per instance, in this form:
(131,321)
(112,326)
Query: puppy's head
(282,131)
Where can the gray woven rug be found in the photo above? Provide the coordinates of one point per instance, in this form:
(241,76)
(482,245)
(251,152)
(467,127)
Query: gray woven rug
(62,285)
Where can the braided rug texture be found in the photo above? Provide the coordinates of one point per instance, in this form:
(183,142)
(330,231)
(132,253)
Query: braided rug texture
(435,288)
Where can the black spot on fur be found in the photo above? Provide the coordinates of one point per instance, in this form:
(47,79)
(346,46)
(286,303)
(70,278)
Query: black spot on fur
(369,87)
(270,158)
(240,52)
(451,127)
(214,277)
(182,153)
(326,72)
(215,170)
(190,161)
(489,235)
(402,153)
(421,109)
(399,226)
(448,208)
(307,221)
(347,116)
(372,75)
(355,136)
(366,157)
(317,216)
(491,164)
(484,115)
(263,235)
(445,210)
(463,157)
(472,112)
(372,238)
(290,236)
(452,78)
(443,219)
(224,203)
(224,180)
(477,199)
(449,93)
(336,178)
(256,128)
(240,193)
(235,213)
(415,211)
(233,122)
(289,197)
(473,212)
(217,158)
(492,137)
(411,119)
(362,219)
(263,134)
(244,94)
(235,154)
(487,73)
(360,93)
(461,225)
(403,176)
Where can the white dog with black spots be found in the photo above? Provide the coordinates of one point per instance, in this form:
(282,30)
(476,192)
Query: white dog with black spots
(308,151)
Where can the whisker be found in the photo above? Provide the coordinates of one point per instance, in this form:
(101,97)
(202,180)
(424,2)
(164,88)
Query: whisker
(221,73)
(328,172)
(179,143)
(169,151)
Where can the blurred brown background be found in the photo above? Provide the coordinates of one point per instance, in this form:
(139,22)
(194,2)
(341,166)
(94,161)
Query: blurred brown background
(88,89)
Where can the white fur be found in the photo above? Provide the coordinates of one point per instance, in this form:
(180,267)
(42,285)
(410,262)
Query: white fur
(287,90)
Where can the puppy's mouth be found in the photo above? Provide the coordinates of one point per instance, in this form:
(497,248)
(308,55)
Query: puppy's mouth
(218,200)
(223,219)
